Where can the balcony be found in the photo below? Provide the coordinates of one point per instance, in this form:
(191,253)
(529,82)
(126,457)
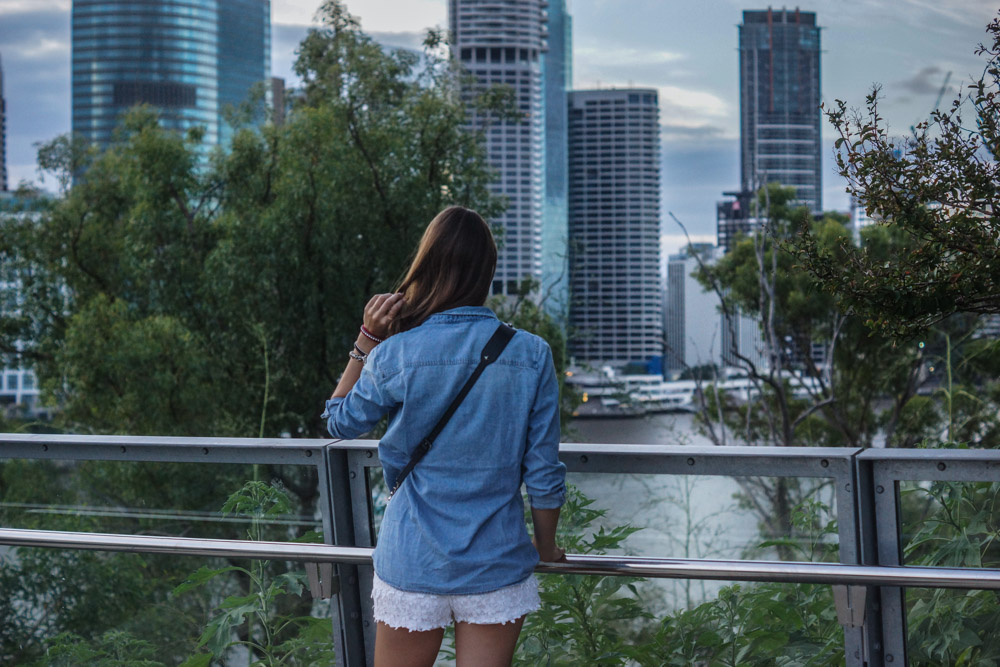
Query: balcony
(868,493)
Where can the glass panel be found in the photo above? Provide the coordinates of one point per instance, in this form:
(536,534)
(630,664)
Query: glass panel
(182,499)
(951,524)
(62,607)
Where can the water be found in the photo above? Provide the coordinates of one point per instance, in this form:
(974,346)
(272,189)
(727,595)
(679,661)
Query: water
(691,516)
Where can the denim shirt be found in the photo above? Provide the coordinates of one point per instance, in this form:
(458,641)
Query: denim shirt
(456,525)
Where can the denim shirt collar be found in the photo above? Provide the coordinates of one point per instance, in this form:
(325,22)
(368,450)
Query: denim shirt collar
(462,312)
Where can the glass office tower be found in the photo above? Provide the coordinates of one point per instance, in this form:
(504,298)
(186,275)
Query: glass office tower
(780,117)
(188,58)
(557,78)
(3,135)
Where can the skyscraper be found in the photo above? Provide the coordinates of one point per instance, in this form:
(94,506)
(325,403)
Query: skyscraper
(693,323)
(502,42)
(780,118)
(3,134)
(190,59)
(557,78)
(616,309)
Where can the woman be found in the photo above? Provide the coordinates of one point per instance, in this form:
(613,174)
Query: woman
(453,544)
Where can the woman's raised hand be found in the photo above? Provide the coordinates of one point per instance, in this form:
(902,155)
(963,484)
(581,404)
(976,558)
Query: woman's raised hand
(381,310)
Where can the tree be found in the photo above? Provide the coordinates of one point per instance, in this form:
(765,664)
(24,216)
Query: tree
(794,398)
(938,191)
(170,295)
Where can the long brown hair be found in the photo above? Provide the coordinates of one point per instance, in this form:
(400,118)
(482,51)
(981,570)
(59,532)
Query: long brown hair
(453,267)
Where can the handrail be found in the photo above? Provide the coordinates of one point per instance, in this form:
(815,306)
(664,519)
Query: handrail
(627,566)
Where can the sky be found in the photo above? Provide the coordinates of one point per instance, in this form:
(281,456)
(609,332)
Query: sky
(685,49)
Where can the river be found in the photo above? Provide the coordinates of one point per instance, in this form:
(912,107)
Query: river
(694,516)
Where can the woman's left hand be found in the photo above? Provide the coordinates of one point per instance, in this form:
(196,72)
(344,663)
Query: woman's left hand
(381,310)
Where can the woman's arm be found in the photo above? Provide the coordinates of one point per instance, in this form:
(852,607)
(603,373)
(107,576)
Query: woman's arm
(544,474)
(545,522)
(379,313)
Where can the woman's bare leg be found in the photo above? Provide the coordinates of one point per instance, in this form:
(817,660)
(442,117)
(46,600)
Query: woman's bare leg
(399,647)
(486,645)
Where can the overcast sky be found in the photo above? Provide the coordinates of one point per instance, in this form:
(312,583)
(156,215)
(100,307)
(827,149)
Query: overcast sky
(686,49)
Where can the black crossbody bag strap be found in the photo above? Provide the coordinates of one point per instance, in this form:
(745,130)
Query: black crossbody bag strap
(494,346)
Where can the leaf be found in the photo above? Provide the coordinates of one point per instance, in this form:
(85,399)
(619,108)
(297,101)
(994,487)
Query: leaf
(198,660)
(202,576)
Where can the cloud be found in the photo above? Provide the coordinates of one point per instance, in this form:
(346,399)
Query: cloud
(624,56)
(406,40)
(9,7)
(694,115)
(927,81)
(677,132)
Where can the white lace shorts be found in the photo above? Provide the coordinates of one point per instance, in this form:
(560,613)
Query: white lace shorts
(424,611)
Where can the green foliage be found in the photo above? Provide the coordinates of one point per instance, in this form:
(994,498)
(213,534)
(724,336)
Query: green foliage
(954,525)
(584,620)
(936,190)
(759,624)
(164,290)
(112,649)
(273,638)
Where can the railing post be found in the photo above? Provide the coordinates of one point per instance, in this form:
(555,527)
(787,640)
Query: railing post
(872,643)
(888,548)
(338,529)
(850,552)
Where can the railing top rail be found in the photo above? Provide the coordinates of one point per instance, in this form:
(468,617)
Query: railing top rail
(296,451)
(919,455)
(671,568)
(160,441)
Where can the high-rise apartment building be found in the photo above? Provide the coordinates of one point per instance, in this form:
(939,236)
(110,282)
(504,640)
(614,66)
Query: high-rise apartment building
(3,135)
(503,42)
(557,78)
(191,59)
(616,310)
(780,118)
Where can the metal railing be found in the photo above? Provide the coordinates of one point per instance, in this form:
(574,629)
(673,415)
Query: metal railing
(868,581)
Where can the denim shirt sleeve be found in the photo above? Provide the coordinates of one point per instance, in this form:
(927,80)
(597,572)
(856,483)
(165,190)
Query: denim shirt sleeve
(544,473)
(358,412)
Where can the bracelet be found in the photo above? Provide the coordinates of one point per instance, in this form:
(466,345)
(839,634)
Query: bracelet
(357,348)
(358,357)
(370,335)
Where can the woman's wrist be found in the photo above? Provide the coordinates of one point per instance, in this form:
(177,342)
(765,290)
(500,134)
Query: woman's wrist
(371,335)
(365,343)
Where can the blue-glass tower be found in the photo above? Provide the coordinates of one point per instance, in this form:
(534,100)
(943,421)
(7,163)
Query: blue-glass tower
(3,135)
(780,119)
(188,58)
(557,78)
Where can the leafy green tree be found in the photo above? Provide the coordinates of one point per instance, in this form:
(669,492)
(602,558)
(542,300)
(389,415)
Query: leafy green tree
(170,296)
(938,191)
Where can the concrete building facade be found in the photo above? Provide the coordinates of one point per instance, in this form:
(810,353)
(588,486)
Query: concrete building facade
(692,321)
(191,59)
(503,42)
(616,306)
(780,119)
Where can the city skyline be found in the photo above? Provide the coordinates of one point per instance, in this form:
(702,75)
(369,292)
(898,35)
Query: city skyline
(688,53)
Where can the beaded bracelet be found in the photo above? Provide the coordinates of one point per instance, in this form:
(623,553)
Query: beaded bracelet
(370,335)
(358,357)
